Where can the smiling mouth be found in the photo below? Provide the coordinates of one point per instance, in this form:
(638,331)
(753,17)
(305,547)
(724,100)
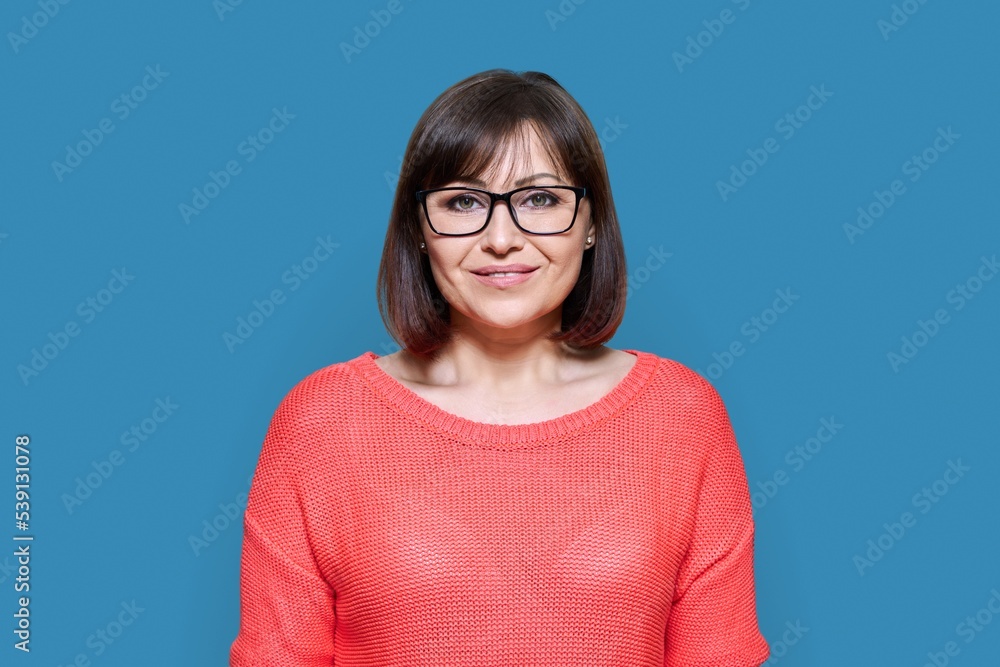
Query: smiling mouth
(504,279)
(513,270)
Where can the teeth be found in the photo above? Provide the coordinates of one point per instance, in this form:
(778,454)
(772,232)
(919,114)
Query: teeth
(491,275)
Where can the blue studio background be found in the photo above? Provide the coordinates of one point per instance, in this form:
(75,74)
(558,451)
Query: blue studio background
(804,192)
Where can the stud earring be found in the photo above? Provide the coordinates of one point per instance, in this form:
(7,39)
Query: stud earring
(588,240)
(422,245)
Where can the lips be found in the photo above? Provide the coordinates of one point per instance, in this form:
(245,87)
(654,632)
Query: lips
(504,275)
(503,269)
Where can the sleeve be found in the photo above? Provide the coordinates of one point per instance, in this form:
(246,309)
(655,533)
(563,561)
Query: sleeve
(713,620)
(287,608)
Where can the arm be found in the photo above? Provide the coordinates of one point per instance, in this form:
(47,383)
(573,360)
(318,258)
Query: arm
(713,620)
(287,609)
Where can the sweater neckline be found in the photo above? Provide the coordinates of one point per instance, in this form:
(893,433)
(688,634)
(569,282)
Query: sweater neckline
(505,436)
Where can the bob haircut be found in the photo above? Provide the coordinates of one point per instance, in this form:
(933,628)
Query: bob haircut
(461,135)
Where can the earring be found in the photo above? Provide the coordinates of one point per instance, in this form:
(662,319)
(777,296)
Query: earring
(588,240)
(422,245)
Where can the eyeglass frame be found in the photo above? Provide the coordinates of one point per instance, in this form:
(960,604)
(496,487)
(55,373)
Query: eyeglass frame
(505,197)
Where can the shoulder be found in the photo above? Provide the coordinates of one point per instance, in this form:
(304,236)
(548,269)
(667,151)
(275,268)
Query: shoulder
(695,427)
(324,396)
(686,411)
(332,378)
(682,384)
(310,419)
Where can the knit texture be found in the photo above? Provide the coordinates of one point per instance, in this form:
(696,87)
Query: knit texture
(381,530)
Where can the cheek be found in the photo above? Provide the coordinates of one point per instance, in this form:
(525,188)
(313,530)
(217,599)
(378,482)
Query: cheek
(444,269)
(567,259)
(571,274)
(439,279)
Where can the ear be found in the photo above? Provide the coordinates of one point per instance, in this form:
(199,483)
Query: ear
(591,225)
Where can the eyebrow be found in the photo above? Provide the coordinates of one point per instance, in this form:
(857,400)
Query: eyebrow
(519,183)
(533,177)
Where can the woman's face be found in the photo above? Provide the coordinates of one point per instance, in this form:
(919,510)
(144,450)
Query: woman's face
(529,307)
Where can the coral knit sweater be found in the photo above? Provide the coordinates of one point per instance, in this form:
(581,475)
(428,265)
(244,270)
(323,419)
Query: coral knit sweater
(383,531)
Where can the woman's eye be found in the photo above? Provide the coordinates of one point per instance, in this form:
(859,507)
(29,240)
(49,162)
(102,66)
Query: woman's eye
(464,202)
(540,199)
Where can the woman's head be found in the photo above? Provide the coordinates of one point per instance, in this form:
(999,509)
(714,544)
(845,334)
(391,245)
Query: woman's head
(490,131)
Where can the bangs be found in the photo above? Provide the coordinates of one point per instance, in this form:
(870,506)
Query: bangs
(469,150)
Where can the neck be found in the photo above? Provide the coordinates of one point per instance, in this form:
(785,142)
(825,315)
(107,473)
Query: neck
(503,361)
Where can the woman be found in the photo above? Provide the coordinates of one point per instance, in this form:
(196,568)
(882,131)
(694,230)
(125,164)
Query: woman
(504,490)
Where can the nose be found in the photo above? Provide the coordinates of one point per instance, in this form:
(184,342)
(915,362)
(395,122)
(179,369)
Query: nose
(501,233)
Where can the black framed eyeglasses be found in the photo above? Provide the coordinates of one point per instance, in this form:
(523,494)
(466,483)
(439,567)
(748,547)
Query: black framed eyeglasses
(535,209)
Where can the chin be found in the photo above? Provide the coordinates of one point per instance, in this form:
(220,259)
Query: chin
(511,319)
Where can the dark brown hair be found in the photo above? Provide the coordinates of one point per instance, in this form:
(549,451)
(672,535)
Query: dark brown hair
(458,137)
